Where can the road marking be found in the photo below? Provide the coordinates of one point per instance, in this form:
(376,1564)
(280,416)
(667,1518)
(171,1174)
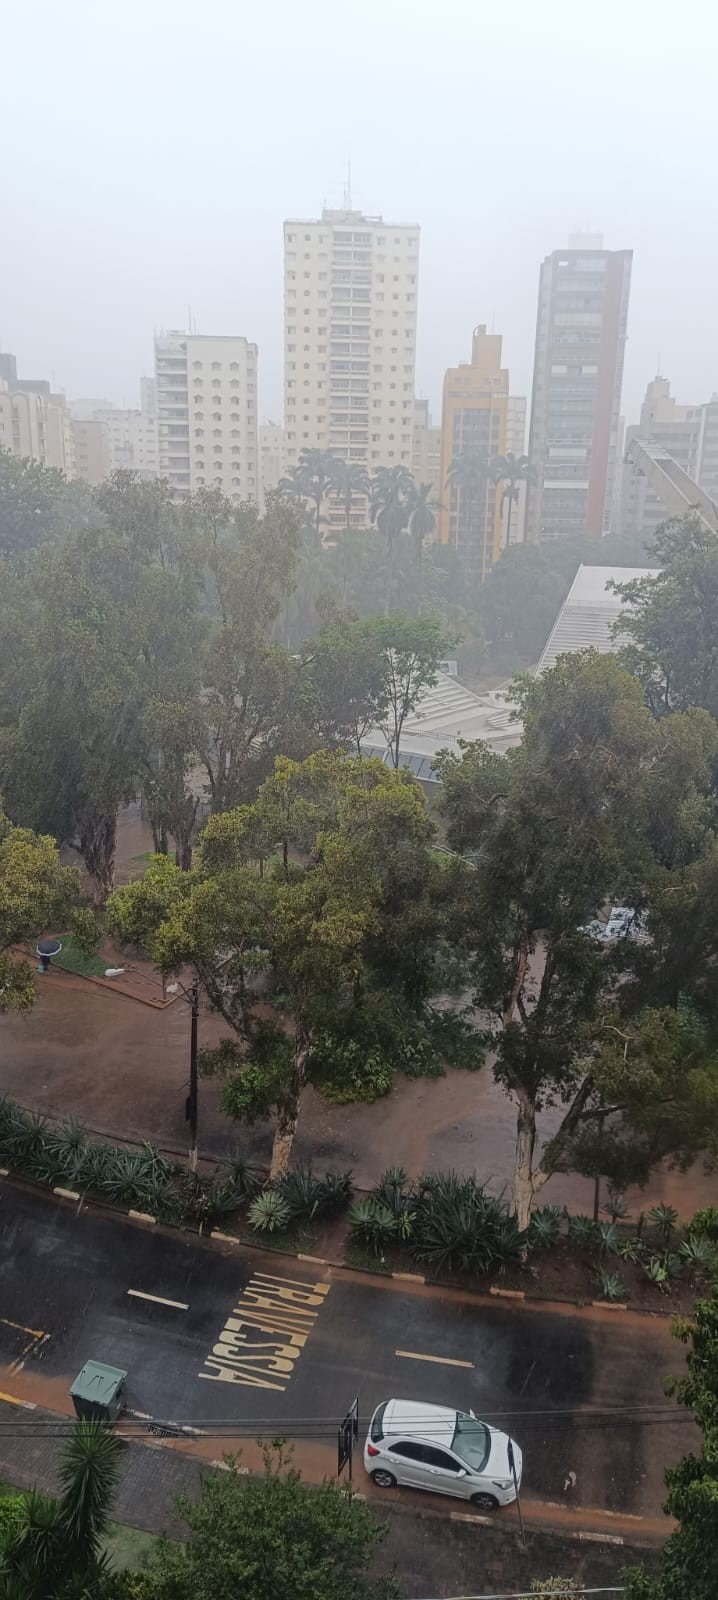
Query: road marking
(12,1400)
(441,1361)
(37,1333)
(157,1299)
(283,1308)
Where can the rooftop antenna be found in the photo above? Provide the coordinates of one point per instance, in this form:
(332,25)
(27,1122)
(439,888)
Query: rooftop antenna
(658,368)
(348,188)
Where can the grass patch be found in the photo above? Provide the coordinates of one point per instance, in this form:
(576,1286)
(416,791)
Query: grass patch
(128,1548)
(71,959)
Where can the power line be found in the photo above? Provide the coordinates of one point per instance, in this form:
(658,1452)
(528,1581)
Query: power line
(530,1594)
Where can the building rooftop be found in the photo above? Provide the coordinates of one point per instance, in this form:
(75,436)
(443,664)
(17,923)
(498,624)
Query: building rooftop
(445,714)
(589,611)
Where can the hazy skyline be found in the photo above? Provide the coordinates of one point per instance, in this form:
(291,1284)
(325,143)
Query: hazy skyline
(153,152)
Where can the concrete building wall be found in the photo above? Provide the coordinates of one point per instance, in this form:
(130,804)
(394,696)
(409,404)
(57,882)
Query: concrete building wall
(474,419)
(575,402)
(677,429)
(426,448)
(37,425)
(271,456)
(91,451)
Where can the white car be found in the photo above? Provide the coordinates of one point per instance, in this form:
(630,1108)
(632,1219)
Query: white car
(448,1452)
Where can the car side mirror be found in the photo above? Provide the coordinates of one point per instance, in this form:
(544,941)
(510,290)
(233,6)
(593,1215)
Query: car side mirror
(463,1472)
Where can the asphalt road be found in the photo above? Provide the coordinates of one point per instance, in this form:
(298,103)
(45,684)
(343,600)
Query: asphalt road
(243,1343)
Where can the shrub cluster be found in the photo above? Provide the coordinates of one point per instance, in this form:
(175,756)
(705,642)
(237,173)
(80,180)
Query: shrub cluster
(145,1180)
(444,1221)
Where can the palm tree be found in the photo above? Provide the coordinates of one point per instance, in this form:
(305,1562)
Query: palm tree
(349,478)
(55,1551)
(512,471)
(310,479)
(391,496)
(422,519)
(468,474)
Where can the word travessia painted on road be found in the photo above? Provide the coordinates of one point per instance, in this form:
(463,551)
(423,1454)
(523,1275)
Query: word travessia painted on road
(282,1308)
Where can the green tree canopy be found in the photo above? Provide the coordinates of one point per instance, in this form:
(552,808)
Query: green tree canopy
(689,1559)
(37,894)
(261,1537)
(52,1549)
(346,928)
(671,623)
(573,818)
(37,506)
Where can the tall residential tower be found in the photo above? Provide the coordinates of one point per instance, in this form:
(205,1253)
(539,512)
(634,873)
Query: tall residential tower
(576,397)
(350,298)
(473,425)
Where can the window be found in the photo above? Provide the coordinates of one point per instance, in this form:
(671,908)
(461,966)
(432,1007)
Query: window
(408,1449)
(216,433)
(471,1441)
(196,364)
(433,1457)
(199,433)
(216,366)
(234,383)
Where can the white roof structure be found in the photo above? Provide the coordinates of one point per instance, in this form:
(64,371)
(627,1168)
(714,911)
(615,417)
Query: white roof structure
(588,612)
(445,714)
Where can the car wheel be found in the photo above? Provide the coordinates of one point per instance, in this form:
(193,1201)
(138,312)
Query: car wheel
(485,1502)
(383,1479)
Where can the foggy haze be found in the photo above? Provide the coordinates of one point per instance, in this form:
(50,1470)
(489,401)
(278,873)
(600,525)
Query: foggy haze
(152,151)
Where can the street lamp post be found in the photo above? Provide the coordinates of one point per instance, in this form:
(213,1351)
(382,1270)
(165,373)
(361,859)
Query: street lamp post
(192,1102)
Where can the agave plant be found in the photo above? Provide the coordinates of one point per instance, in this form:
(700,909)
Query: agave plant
(269,1212)
(545,1227)
(245,1179)
(616,1206)
(456,1224)
(631,1249)
(582,1231)
(336,1193)
(300,1191)
(611,1285)
(665,1221)
(608,1239)
(656,1272)
(373,1225)
(698,1253)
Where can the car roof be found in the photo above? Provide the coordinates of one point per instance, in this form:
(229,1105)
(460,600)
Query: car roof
(413,1416)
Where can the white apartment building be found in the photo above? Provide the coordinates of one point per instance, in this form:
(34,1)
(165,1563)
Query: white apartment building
(271,456)
(35,423)
(350,301)
(207,413)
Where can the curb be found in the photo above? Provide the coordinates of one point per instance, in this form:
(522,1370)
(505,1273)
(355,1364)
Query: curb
(67,1194)
(265,1247)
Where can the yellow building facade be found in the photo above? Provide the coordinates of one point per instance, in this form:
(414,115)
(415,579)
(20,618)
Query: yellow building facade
(473,425)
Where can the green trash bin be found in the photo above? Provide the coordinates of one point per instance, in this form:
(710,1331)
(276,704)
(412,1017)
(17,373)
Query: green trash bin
(98,1392)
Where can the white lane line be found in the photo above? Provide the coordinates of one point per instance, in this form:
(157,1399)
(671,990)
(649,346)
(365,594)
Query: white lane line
(441,1361)
(157,1299)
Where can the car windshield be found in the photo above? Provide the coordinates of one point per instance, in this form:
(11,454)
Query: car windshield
(472,1442)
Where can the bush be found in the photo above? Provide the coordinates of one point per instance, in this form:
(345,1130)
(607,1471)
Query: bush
(307,1197)
(698,1252)
(704,1224)
(457,1225)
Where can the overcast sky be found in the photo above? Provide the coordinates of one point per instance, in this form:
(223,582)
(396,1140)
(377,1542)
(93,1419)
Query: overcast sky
(152,148)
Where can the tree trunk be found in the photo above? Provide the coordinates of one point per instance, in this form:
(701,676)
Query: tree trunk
(98,839)
(288,1114)
(523,1160)
(508,521)
(183,854)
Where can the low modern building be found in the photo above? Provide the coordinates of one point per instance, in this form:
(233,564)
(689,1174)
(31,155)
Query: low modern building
(445,715)
(587,616)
